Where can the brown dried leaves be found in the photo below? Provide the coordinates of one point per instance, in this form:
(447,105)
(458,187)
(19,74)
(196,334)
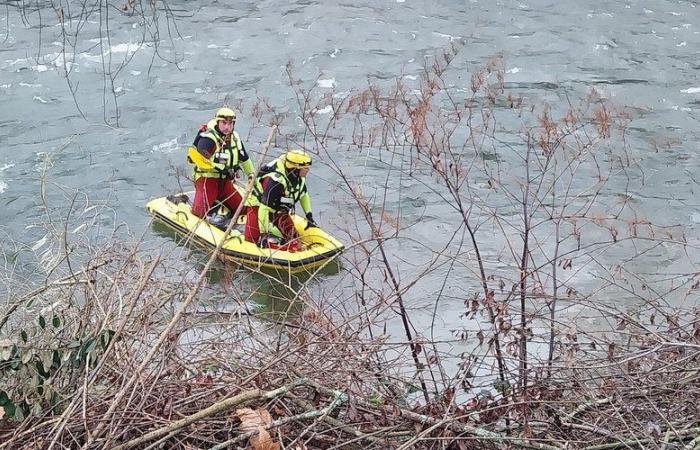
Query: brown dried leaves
(257,420)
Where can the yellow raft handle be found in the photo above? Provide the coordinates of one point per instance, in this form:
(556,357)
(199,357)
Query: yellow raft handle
(199,160)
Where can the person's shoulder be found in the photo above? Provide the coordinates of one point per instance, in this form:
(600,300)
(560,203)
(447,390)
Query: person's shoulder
(205,143)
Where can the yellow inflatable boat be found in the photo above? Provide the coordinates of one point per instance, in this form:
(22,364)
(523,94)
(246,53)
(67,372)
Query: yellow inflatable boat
(319,247)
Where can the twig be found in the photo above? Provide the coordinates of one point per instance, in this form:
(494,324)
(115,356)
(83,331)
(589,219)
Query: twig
(216,408)
(176,318)
(304,416)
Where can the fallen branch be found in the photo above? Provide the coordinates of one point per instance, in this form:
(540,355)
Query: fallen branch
(451,424)
(277,423)
(216,408)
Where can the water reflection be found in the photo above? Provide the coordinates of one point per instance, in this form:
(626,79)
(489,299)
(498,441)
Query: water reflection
(270,292)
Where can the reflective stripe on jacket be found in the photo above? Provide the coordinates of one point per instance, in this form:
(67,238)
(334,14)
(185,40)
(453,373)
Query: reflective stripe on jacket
(275,170)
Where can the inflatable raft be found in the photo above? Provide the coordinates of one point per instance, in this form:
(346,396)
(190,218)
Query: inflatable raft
(318,247)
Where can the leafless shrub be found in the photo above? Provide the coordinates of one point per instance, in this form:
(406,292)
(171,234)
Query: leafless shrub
(133,362)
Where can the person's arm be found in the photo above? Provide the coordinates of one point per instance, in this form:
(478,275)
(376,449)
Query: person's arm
(305,202)
(206,147)
(247,166)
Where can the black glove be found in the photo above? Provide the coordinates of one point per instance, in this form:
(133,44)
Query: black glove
(310,222)
(264,240)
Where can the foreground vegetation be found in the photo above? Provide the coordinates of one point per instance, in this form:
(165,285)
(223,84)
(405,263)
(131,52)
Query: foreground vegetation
(110,343)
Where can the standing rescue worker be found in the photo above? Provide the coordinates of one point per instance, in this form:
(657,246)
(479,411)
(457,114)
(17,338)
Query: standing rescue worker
(217,154)
(280,185)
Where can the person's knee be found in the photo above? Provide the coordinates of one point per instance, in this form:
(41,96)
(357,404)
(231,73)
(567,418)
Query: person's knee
(199,211)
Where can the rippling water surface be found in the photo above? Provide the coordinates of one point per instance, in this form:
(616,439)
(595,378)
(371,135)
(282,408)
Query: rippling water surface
(640,54)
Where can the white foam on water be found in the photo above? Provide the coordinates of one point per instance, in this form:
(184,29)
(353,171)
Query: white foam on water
(682,44)
(400,1)
(695,217)
(692,90)
(40,100)
(327,110)
(326,83)
(5,86)
(514,70)
(135,72)
(3,187)
(214,46)
(166,147)
(648,11)
(79,228)
(410,77)
(678,108)
(7,166)
(673,13)
(23,84)
(448,36)
(40,68)
(11,62)
(335,52)
(38,244)
(90,57)
(127,47)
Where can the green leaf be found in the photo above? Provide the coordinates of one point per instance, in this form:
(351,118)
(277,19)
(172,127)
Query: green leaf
(27,356)
(18,413)
(4,399)
(106,338)
(37,410)
(89,346)
(56,360)
(502,387)
(42,322)
(23,335)
(412,389)
(5,353)
(9,409)
(56,321)
(375,400)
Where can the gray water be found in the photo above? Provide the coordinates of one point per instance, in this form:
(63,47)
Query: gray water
(642,54)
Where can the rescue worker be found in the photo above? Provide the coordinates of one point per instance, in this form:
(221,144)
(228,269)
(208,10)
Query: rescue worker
(281,183)
(217,154)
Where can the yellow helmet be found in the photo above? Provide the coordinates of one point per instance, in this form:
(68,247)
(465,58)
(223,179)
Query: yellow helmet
(297,159)
(225,113)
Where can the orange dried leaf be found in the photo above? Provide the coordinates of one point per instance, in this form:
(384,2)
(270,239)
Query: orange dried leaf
(251,420)
(263,441)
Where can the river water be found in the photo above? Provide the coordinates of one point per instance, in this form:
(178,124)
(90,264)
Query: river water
(120,137)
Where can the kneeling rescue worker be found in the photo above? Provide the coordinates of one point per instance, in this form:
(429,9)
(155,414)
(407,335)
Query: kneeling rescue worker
(217,154)
(280,185)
